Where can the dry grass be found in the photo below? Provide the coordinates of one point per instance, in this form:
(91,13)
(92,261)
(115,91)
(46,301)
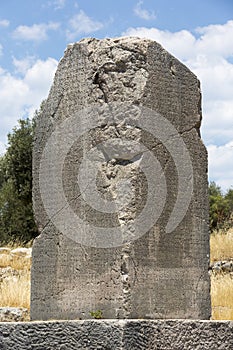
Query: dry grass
(15,281)
(222,297)
(21,263)
(16,262)
(221,246)
(17,244)
(5,260)
(15,290)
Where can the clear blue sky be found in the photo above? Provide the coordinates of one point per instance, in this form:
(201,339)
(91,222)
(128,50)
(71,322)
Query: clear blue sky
(34,35)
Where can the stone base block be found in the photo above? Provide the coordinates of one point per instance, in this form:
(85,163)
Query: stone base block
(117,335)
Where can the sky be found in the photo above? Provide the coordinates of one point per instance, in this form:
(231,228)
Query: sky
(34,35)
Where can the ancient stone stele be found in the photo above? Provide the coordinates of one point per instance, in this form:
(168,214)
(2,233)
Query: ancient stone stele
(120,187)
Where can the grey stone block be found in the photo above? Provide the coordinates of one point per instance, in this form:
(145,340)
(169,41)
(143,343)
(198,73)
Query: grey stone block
(178,334)
(149,258)
(61,335)
(117,335)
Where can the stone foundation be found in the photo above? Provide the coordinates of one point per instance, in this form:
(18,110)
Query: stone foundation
(117,335)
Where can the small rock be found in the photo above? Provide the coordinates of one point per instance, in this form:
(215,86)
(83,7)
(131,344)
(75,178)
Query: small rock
(21,251)
(225,266)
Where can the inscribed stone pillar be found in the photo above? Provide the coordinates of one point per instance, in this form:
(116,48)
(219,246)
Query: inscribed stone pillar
(120,187)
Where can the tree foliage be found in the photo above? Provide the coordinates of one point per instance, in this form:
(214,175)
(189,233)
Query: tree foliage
(16,214)
(221,207)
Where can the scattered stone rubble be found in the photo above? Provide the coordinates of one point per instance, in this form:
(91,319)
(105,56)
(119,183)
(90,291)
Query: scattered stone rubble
(225,266)
(14,314)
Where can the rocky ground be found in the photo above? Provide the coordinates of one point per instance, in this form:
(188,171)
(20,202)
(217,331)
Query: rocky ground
(14,269)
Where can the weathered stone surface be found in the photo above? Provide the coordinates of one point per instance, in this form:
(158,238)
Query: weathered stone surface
(117,335)
(139,94)
(174,334)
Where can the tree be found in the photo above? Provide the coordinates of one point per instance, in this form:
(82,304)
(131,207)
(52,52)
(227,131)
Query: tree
(19,159)
(229,198)
(16,214)
(221,207)
(2,171)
